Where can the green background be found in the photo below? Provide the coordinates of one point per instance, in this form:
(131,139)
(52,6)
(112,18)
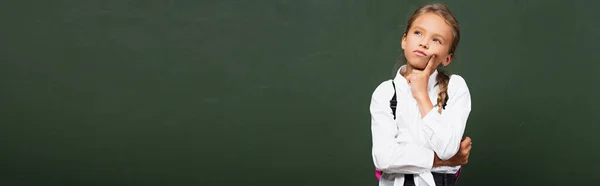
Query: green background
(276,92)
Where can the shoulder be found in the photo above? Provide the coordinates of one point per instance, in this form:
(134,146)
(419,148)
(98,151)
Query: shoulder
(457,84)
(457,80)
(384,91)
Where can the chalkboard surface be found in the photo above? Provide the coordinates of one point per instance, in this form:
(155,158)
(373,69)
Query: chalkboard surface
(273,92)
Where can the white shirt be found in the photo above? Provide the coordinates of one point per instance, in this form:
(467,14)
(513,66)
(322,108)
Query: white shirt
(407,145)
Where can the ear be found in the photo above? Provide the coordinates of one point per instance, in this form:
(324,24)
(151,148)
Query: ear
(448,59)
(403,45)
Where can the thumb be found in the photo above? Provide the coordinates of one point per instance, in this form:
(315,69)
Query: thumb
(466,142)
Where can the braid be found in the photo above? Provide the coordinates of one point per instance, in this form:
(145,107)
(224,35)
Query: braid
(442,81)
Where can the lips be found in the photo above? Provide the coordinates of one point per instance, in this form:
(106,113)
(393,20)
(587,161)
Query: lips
(420,53)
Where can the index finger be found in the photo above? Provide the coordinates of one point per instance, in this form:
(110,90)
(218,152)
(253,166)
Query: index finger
(431,64)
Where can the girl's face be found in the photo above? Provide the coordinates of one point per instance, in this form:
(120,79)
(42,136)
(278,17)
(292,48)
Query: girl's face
(428,35)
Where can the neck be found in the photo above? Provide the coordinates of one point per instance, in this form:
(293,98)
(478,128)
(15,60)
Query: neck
(407,70)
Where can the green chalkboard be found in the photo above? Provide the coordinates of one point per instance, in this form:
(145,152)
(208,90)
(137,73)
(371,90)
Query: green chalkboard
(276,92)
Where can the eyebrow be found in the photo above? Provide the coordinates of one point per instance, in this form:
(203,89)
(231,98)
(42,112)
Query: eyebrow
(434,34)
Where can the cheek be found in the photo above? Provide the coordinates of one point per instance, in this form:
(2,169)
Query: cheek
(415,40)
(409,40)
(442,57)
(440,51)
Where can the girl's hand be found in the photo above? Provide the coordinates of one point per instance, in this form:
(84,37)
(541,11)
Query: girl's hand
(460,158)
(418,79)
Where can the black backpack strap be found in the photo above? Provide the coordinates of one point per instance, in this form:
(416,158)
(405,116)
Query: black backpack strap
(393,102)
(445,101)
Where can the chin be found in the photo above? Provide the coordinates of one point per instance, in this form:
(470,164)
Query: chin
(417,63)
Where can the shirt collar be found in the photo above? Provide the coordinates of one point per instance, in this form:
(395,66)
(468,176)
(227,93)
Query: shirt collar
(402,85)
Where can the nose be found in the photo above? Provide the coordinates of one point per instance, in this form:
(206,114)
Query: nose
(423,43)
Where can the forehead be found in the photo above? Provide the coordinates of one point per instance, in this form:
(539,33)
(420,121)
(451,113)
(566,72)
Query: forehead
(433,23)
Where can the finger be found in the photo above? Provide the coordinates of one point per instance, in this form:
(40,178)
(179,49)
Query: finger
(412,77)
(431,65)
(463,146)
(465,143)
(467,150)
(467,140)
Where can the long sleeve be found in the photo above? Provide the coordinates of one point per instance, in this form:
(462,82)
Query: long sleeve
(393,151)
(444,131)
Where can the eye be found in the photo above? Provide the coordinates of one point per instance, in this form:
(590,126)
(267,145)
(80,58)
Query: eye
(418,32)
(437,40)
